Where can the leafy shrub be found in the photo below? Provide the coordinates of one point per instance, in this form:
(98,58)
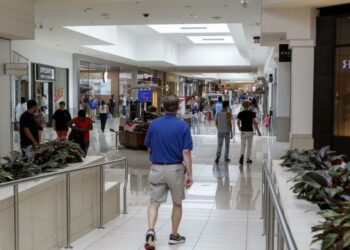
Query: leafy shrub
(334,232)
(48,157)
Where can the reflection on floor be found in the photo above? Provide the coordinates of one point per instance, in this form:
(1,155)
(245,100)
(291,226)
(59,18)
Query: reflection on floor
(222,210)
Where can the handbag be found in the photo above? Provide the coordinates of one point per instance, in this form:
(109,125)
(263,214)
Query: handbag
(76,136)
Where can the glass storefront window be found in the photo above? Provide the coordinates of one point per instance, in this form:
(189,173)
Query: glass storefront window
(97,81)
(20,84)
(342,92)
(60,87)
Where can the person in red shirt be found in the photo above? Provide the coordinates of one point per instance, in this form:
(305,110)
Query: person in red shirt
(81,127)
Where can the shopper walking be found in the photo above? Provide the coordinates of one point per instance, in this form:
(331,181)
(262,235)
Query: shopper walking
(93,104)
(223,123)
(103,111)
(245,122)
(81,127)
(112,103)
(218,105)
(20,109)
(124,102)
(60,119)
(169,143)
(29,126)
(267,123)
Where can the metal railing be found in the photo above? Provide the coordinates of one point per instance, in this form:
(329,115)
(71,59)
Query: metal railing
(67,173)
(271,212)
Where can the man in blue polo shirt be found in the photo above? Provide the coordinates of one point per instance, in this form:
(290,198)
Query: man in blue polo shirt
(169,143)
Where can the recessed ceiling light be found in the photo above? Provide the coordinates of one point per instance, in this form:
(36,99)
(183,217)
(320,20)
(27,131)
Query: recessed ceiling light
(194,16)
(211,39)
(217,17)
(191,28)
(194,28)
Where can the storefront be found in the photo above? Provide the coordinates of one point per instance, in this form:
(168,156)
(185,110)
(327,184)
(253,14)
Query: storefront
(102,80)
(49,88)
(332,79)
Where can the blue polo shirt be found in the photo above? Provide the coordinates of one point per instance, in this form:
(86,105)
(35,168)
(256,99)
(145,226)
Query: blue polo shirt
(167,137)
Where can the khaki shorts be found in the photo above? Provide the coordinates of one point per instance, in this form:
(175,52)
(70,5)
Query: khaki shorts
(163,178)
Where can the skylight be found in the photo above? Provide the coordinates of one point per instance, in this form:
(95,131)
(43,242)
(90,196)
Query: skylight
(211,39)
(191,28)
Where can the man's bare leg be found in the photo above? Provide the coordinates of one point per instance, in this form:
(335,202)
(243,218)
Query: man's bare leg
(152,214)
(176,218)
(152,219)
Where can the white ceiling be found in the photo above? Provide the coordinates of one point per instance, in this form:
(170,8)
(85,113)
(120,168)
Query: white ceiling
(52,15)
(127,16)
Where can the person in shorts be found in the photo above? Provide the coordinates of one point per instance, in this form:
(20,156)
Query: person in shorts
(169,143)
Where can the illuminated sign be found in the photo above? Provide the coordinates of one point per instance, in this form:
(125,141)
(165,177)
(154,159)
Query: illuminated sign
(346,64)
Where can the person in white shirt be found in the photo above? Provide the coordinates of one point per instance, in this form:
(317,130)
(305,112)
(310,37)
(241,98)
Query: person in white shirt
(21,108)
(124,104)
(103,110)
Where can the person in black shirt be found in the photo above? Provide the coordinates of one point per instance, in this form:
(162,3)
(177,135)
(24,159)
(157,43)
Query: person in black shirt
(29,127)
(245,122)
(60,121)
(112,103)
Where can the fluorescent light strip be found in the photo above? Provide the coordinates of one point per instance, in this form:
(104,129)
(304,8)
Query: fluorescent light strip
(194,28)
(191,28)
(211,39)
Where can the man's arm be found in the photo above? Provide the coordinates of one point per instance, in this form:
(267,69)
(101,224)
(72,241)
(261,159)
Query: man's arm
(30,137)
(54,124)
(187,155)
(256,126)
(229,123)
(90,126)
(239,123)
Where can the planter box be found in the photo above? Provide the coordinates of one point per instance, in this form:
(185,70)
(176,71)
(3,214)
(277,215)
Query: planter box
(42,209)
(301,215)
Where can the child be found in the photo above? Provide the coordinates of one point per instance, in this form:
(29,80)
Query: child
(267,123)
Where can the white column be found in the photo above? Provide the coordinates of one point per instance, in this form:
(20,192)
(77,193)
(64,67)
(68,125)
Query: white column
(283,95)
(5,100)
(302,94)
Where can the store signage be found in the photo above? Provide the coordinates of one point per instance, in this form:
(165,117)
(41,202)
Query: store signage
(45,73)
(346,64)
(285,54)
(16,69)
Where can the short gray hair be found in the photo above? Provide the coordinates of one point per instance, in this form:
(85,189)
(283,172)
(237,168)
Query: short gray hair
(171,103)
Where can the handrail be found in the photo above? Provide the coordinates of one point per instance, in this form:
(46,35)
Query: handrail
(52,174)
(67,172)
(273,207)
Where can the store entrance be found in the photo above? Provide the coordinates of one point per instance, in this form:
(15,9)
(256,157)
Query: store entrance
(43,94)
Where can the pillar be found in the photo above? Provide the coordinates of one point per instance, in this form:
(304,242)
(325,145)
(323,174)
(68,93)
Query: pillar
(283,83)
(5,100)
(302,77)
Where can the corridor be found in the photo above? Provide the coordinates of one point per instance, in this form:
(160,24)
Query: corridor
(222,209)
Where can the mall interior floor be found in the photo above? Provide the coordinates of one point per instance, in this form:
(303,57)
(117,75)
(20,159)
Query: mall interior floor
(222,209)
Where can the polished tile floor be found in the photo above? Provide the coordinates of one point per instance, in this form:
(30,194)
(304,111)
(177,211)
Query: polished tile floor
(222,209)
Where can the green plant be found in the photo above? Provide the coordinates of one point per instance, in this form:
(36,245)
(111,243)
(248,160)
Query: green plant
(48,157)
(299,161)
(327,188)
(334,232)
